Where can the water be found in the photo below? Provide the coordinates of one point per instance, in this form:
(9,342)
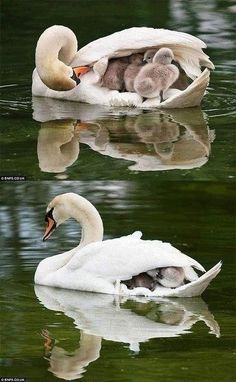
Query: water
(169,173)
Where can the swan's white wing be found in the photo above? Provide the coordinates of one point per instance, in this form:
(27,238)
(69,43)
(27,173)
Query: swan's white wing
(122,258)
(187,49)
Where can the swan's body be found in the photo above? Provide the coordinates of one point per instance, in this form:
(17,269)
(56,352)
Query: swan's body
(56,55)
(136,62)
(156,77)
(100,266)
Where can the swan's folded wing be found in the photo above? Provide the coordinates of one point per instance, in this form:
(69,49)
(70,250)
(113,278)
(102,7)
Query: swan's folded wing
(187,48)
(122,258)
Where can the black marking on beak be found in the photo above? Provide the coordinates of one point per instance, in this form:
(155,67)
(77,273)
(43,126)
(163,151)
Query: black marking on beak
(50,224)
(75,78)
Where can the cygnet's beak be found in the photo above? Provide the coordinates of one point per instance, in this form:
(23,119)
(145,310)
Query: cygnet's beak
(78,71)
(50,227)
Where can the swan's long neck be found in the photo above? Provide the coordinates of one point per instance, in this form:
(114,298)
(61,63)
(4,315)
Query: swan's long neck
(55,50)
(79,208)
(88,217)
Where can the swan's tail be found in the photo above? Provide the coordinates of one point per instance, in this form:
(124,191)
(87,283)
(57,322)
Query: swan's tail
(197,287)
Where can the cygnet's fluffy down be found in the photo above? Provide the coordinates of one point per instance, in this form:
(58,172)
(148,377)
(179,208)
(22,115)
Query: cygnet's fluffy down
(156,77)
(142,280)
(169,277)
(113,78)
(136,63)
(182,81)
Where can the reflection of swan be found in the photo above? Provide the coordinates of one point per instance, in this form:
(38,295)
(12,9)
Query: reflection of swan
(156,141)
(71,365)
(58,145)
(56,55)
(164,141)
(134,321)
(100,266)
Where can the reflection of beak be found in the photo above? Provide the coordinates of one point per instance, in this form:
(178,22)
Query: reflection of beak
(82,125)
(50,227)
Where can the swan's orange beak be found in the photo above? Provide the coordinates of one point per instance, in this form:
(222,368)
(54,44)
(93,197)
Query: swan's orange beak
(50,227)
(81,70)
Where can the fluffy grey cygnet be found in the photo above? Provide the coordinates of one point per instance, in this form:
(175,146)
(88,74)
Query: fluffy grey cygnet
(142,280)
(113,78)
(182,81)
(136,63)
(156,77)
(169,277)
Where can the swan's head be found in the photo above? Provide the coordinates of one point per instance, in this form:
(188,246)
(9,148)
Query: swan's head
(163,56)
(55,50)
(61,77)
(58,211)
(71,205)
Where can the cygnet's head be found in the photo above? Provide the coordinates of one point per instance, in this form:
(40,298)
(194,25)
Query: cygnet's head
(136,58)
(149,54)
(163,56)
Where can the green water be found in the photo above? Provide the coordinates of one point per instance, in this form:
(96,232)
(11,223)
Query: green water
(170,174)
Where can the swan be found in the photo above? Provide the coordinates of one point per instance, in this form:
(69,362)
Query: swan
(101,266)
(156,77)
(58,65)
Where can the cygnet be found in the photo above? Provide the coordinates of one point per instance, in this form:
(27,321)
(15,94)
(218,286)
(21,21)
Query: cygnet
(142,280)
(136,63)
(113,78)
(156,77)
(182,81)
(169,277)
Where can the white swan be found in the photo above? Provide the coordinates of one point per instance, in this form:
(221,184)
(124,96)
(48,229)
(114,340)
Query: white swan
(56,55)
(100,266)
